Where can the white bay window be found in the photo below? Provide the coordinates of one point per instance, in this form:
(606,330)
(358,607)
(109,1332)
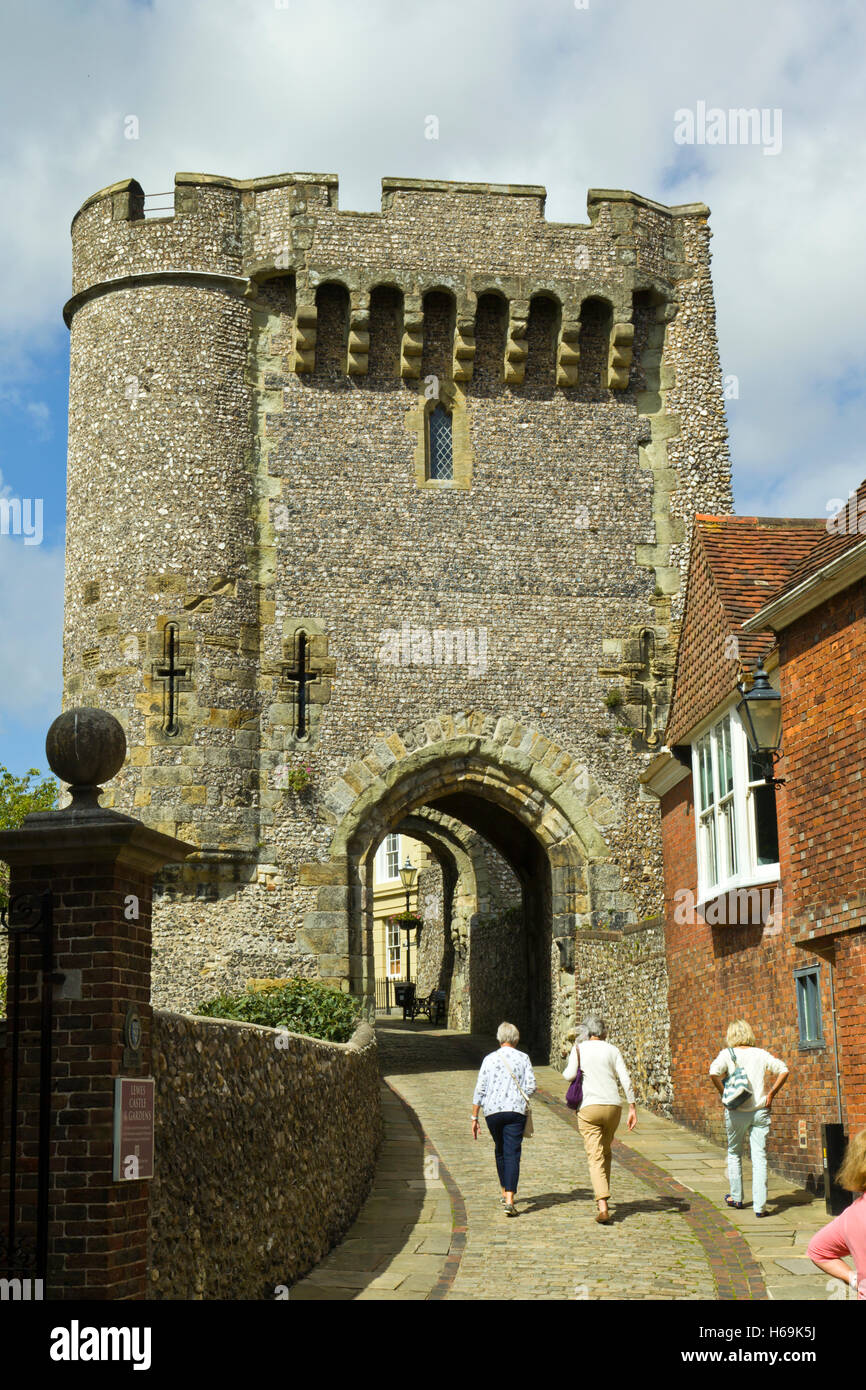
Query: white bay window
(737,839)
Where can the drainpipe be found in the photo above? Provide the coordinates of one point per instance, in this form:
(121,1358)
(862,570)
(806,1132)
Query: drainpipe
(832,963)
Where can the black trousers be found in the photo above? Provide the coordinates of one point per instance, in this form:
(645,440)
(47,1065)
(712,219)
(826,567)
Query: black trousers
(507,1128)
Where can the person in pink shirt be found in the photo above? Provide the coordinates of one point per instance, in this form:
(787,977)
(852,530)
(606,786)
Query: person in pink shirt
(847,1234)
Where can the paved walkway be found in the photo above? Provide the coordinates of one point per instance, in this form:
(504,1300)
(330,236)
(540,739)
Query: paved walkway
(433,1227)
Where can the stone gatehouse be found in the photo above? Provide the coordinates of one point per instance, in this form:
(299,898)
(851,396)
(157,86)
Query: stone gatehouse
(379,521)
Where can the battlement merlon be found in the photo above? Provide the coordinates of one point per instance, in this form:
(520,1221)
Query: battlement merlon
(467,236)
(132,189)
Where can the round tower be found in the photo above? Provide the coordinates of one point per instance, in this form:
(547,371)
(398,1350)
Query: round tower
(161,607)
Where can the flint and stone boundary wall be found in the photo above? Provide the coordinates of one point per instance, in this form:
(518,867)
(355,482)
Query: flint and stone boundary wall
(623,976)
(264,1154)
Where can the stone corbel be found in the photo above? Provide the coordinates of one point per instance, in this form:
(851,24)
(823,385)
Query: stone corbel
(359,335)
(565,945)
(464,342)
(516,348)
(306,316)
(412,345)
(568,353)
(620,356)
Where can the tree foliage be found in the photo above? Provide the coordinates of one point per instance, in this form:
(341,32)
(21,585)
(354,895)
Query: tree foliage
(19,796)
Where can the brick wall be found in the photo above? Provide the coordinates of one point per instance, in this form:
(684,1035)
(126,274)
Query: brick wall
(824,711)
(721,973)
(98,868)
(851,1005)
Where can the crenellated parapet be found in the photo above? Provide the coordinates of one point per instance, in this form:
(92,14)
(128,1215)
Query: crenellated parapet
(234,235)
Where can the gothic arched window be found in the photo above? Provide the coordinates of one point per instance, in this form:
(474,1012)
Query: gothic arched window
(440,455)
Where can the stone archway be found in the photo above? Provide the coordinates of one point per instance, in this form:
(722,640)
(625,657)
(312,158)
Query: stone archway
(537,804)
(481,900)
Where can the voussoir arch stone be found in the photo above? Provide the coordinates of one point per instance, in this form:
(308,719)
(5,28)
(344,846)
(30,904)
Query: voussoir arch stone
(542,783)
(492,757)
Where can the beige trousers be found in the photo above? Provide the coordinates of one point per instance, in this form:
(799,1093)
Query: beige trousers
(597,1125)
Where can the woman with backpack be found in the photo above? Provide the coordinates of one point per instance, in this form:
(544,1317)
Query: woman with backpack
(739,1074)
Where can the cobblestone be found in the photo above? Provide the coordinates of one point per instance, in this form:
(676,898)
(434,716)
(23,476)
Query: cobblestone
(433,1226)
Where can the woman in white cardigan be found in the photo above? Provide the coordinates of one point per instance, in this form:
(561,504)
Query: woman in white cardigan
(604,1072)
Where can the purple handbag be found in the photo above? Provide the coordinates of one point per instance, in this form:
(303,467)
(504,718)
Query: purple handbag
(574,1094)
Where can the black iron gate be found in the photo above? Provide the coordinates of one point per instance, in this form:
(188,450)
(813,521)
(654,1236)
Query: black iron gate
(26,1256)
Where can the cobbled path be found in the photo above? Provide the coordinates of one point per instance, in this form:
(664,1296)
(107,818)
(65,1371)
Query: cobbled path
(554,1249)
(433,1228)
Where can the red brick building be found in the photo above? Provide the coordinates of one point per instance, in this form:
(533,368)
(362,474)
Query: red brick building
(765,887)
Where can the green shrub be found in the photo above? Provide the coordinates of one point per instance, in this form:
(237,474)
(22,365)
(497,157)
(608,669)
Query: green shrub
(301,1006)
(613,698)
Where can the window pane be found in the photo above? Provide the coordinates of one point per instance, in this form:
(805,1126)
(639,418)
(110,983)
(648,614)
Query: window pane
(808,1007)
(756,772)
(705,765)
(726,761)
(708,832)
(766,827)
(729,832)
(441,458)
(812,1006)
(392,856)
(801,1007)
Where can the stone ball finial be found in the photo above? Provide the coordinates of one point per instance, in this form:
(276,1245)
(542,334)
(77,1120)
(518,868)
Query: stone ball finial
(85,747)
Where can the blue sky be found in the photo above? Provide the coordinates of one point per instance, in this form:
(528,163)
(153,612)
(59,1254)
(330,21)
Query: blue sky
(550,92)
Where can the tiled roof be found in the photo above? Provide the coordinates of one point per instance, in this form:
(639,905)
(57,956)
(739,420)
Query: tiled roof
(838,534)
(737,563)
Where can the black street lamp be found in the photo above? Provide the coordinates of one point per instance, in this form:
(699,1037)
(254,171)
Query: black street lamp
(408,875)
(760,709)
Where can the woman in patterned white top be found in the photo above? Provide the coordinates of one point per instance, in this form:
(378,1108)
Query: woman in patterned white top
(504,1085)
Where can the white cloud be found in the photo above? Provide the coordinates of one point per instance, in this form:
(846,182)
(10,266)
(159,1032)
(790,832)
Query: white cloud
(31,625)
(541,93)
(40,415)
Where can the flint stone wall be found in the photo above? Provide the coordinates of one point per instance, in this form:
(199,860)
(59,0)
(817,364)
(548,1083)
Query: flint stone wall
(264,1155)
(622,975)
(435,950)
(564,537)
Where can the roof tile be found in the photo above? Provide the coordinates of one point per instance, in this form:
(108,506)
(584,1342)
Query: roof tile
(737,564)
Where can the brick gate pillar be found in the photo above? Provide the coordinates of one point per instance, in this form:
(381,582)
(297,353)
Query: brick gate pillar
(98,867)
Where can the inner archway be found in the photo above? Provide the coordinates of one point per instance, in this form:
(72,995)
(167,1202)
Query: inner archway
(501,966)
(516,792)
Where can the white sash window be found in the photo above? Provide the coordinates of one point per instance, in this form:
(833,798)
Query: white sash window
(393,948)
(387,862)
